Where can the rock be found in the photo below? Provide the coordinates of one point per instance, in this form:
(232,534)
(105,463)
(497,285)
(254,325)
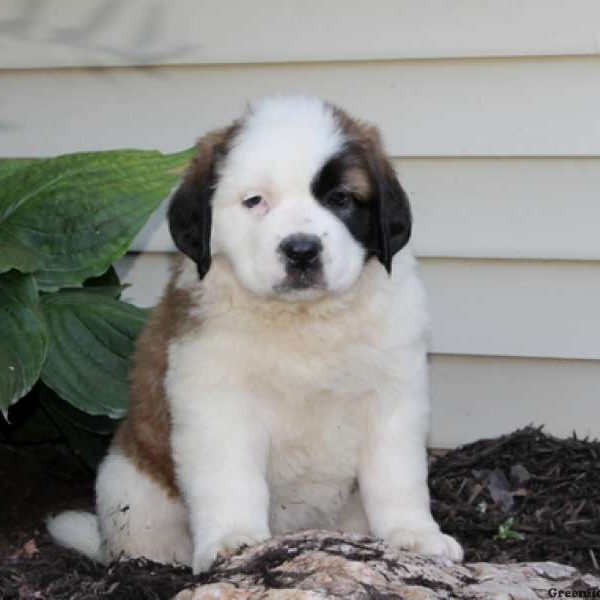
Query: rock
(325,564)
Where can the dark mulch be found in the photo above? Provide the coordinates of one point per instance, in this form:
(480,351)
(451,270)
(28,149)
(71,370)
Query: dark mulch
(544,490)
(522,497)
(57,573)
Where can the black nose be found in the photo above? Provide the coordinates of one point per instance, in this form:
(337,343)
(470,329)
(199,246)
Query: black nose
(301,250)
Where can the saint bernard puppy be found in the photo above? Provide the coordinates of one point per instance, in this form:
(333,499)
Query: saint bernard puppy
(281,382)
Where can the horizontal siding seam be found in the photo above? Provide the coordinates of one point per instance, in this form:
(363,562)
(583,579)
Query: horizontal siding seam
(307,62)
(516,357)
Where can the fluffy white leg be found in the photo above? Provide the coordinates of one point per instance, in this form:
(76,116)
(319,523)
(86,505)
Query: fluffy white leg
(393,469)
(137,517)
(76,530)
(220,451)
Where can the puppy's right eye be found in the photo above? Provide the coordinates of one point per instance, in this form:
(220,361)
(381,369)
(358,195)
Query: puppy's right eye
(339,199)
(252,201)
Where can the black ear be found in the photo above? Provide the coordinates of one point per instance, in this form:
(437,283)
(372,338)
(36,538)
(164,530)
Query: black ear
(393,218)
(190,210)
(190,218)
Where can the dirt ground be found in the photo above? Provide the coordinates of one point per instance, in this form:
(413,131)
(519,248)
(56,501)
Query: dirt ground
(522,497)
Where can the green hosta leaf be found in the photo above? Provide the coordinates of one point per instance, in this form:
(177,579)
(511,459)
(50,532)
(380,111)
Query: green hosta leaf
(98,425)
(108,283)
(87,436)
(68,218)
(23,337)
(90,447)
(91,341)
(8,166)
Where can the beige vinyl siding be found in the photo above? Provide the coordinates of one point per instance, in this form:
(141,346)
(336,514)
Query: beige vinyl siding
(536,106)
(473,396)
(489,109)
(532,208)
(482,397)
(543,309)
(138,32)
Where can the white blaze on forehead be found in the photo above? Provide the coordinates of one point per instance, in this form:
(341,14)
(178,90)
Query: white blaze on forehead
(283,143)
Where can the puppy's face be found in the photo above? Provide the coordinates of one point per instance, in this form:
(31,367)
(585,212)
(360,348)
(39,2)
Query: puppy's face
(296,195)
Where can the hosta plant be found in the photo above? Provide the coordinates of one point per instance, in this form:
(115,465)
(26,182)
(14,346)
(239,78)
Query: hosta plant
(65,336)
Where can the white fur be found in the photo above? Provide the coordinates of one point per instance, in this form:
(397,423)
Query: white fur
(282,146)
(76,530)
(288,404)
(278,407)
(136,516)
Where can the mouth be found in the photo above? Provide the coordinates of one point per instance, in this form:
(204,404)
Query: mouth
(301,283)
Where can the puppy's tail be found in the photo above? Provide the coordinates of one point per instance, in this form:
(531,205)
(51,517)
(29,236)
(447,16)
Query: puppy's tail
(76,530)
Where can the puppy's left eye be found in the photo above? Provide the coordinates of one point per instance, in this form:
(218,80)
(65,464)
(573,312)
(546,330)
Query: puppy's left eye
(252,201)
(339,199)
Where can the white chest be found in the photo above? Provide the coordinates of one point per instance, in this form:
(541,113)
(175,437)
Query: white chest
(317,440)
(313,459)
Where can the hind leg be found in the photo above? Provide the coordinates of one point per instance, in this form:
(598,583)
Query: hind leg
(137,517)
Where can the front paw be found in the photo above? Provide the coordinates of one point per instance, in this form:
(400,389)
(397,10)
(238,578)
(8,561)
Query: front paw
(426,541)
(205,554)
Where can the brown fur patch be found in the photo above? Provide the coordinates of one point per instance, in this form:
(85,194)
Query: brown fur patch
(363,133)
(212,148)
(367,137)
(145,435)
(357,180)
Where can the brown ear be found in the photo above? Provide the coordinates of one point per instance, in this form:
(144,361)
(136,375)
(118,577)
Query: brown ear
(190,210)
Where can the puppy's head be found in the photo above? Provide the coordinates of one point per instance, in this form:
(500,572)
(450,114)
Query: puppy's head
(297,196)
